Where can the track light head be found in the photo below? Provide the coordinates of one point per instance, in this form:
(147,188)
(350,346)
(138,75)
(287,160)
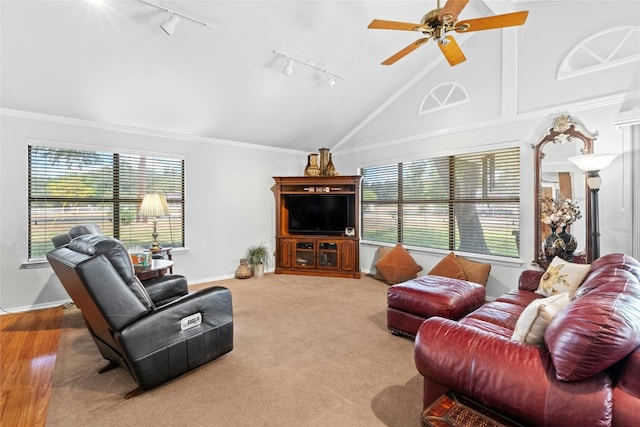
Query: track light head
(287,70)
(169,26)
(331,80)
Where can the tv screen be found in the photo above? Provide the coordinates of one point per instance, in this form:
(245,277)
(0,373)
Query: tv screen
(319,214)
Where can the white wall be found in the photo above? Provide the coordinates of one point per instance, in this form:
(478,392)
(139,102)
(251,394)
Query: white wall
(229,202)
(522,131)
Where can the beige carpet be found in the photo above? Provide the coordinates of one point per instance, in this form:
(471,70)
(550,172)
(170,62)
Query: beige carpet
(308,351)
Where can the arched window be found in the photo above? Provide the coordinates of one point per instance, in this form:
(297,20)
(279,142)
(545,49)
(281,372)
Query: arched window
(443,96)
(608,48)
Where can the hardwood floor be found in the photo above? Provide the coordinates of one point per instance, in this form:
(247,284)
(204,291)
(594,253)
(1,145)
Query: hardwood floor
(28,347)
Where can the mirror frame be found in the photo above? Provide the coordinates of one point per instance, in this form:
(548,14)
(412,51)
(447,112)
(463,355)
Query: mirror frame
(564,129)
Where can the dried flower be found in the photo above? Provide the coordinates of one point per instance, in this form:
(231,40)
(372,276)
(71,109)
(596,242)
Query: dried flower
(559,214)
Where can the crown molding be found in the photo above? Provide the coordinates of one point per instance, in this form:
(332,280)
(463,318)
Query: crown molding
(114,127)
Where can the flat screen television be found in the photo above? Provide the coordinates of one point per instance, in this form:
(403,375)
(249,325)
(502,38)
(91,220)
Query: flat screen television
(319,214)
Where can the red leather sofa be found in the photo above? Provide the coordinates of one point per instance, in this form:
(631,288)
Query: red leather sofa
(587,373)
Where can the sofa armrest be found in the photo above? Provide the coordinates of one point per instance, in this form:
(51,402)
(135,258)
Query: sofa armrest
(529,280)
(515,379)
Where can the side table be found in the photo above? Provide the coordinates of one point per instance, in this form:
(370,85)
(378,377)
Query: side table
(158,268)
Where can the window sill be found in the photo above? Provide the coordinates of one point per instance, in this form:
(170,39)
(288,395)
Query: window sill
(441,253)
(43,263)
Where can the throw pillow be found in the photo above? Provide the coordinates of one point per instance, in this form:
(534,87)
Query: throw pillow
(476,272)
(380,253)
(535,318)
(448,267)
(562,276)
(398,266)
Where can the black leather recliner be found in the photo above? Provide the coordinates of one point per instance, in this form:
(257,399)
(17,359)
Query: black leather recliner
(154,340)
(161,289)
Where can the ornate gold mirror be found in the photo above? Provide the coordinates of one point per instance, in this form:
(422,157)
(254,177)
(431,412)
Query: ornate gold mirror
(561,193)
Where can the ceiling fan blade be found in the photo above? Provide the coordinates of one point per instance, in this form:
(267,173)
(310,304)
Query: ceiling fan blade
(492,22)
(453,8)
(452,51)
(381,24)
(407,50)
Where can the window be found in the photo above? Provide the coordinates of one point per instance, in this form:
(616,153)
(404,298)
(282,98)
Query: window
(70,187)
(468,203)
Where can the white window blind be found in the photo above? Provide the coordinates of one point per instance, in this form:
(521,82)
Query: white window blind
(70,187)
(468,203)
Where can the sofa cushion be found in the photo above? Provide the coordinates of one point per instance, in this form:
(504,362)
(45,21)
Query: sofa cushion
(476,272)
(598,328)
(448,267)
(562,276)
(398,266)
(535,318)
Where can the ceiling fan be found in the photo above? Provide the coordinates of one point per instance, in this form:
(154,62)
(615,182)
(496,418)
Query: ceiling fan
(438,22)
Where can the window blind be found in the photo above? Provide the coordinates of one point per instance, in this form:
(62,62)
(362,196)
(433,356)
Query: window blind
(70,187)
(467,203)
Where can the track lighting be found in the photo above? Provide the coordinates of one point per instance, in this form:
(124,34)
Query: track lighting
(169,25)
(287,70)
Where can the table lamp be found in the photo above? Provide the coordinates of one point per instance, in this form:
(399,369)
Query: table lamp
(154,205)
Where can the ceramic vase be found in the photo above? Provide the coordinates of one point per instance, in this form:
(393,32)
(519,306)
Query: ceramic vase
(553,245)
(243,271)
(312,169)
(570,242)
(324,160)
(330,170)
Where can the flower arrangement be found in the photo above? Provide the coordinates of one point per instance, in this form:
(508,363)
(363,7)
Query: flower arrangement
(559,213)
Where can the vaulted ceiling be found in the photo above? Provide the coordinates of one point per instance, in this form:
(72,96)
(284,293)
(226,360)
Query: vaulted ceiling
(114,64)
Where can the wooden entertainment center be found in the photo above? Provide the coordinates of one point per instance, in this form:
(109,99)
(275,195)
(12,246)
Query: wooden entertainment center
(317,225)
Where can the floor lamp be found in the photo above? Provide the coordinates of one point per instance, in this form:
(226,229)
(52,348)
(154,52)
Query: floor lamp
(592,164)
(154,205)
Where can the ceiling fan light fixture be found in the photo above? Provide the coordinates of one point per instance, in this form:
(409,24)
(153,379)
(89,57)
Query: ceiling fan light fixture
(169,26)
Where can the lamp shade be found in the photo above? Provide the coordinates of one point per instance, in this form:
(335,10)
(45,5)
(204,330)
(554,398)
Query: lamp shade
(593,162)
(154,204)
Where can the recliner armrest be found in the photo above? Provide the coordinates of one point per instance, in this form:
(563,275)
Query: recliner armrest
(165,289)
(161,328)
(514,378)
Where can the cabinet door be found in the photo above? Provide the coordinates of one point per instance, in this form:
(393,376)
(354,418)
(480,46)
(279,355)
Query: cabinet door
(347,254)
(305,254)
(286,253)
(328,254)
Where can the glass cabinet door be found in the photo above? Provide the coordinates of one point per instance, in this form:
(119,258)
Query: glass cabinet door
(305,254)
(327,254)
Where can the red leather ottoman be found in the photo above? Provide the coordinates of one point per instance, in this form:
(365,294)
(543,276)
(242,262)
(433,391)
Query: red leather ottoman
(412,302)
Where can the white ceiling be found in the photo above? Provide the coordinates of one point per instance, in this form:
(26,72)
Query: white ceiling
(114,64)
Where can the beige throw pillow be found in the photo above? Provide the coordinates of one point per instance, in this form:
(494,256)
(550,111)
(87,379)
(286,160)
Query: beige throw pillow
(562,276)
(535,318)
